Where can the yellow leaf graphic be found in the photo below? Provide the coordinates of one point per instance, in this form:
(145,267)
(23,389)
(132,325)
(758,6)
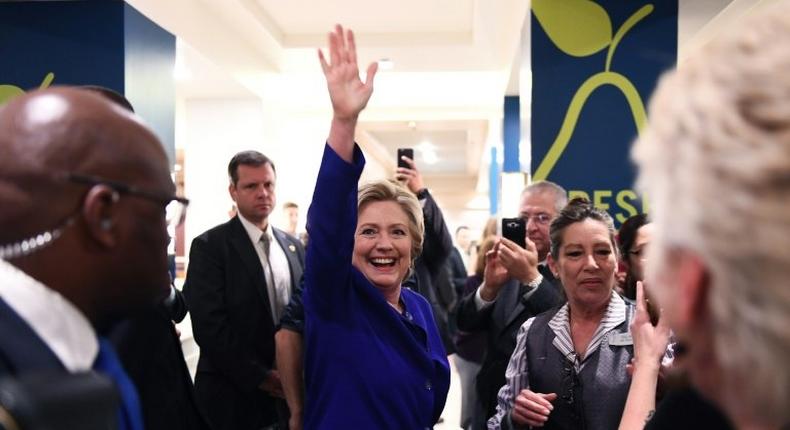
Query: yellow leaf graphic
(7,92)
(577,27)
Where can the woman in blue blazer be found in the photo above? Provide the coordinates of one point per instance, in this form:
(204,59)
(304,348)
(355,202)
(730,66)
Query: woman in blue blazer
(374,358)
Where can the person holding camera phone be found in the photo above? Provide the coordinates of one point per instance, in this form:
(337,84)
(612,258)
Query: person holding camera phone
(516,285)
(430,275)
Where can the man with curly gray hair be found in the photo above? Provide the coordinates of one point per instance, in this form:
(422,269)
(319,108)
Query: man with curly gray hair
(715,162)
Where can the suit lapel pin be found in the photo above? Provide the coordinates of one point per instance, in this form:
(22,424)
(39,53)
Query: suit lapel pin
(292,248)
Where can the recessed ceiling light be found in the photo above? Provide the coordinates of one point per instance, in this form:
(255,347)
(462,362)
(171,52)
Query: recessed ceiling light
(428,152)
(430,157)
(426,145)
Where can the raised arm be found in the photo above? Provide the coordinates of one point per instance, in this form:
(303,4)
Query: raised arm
(650,344)
(348,93)
(332,217)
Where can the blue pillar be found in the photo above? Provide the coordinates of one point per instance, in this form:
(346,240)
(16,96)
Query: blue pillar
(493,184)
(511,135)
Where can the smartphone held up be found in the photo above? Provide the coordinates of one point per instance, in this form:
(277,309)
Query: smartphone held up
(405,152)
(515,229)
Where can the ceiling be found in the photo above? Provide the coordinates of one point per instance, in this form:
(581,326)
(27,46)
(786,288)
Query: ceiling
(454,60)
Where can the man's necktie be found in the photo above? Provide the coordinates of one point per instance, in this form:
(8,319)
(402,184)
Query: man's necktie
(130,416)
(277,301)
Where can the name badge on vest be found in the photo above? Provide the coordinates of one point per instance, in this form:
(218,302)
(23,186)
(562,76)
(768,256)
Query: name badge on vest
(621,339)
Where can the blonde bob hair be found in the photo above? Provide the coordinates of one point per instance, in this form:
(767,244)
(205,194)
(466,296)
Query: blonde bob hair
(387,191)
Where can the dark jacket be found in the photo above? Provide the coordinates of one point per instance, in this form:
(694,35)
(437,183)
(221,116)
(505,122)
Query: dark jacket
(226,293)
(430,274)
(150,350)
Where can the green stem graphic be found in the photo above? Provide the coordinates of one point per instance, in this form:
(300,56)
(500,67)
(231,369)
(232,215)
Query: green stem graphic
(47,80)
(627,25)
(574,110)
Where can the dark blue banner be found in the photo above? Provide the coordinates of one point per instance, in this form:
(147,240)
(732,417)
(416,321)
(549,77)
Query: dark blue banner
(90,42)
(594,67)
(61,43)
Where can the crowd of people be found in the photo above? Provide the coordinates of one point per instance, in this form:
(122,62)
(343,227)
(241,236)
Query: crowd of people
(355,327)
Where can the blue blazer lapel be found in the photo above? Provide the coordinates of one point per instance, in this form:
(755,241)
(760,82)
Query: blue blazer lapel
(240,241)
(21,349)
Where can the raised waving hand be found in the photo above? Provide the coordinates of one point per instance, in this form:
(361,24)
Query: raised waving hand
(348,93)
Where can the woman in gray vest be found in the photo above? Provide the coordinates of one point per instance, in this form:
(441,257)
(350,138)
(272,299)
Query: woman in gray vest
(568,370)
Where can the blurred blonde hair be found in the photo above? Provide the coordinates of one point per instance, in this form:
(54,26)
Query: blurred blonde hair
(490,229)
(715,162)
(480,263)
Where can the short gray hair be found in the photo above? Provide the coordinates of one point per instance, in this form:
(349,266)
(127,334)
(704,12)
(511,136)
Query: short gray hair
(560,195)
(715,161)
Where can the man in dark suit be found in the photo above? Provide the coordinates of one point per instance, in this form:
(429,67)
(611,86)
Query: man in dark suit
(83,233)
(517,285)
(241,276)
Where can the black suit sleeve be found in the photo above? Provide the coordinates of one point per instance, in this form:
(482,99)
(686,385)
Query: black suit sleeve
(469,317)
(457,271)
(293,317)
(436,248)
(438,243)
(204,291)
(177,309)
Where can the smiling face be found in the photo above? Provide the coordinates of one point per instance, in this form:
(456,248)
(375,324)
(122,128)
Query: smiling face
(382,245)
(586,264)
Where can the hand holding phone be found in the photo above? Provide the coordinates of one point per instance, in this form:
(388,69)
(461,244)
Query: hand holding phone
(515,229)
(407,173)
(405,152)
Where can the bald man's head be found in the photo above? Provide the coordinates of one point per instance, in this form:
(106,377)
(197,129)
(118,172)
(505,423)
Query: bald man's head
(67,159)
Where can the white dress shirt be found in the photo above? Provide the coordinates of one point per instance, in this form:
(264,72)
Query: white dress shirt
(62,327)
(278,280)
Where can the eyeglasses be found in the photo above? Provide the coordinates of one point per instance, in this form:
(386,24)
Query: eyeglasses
(539,218)
(175,207)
